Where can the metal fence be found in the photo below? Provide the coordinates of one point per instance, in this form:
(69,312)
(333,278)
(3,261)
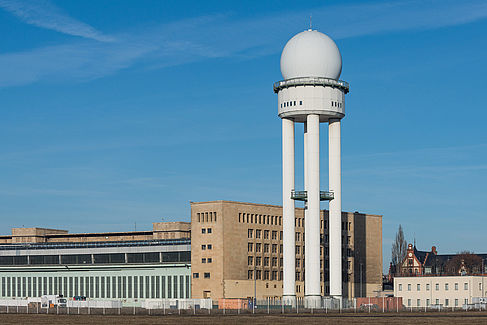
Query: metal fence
(163,307)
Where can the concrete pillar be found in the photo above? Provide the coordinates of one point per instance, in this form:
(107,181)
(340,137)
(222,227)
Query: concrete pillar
(312,250)
(335,222)
(288,240)
(306,223)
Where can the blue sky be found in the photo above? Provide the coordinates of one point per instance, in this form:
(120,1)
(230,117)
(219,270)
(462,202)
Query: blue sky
(116,112)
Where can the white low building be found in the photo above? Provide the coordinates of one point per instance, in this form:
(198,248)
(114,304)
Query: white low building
(439,291)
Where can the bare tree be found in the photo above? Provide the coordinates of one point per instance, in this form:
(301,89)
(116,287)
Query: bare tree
(399,249)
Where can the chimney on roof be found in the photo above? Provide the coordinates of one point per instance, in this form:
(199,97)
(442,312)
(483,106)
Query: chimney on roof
(433,250)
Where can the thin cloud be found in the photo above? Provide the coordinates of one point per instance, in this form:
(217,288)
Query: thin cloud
(201,38)
(43,13)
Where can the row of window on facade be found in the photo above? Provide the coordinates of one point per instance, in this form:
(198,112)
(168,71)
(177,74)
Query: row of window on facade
(266,247)
(206,275)
(206,230)
(437,286)
(258,233)
(267,261)
(291,103)
(445,302)
(299,222)
(295,103)
(113,258)
(259,219)
(264,275)
(336,104)
(103,287)
(206,216)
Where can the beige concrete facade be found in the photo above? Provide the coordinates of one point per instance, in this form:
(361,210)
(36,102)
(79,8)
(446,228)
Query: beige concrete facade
(236,249)
(161,230)
(447,291)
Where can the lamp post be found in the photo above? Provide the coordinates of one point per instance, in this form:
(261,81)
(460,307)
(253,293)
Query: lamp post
(361,280)
(255,273)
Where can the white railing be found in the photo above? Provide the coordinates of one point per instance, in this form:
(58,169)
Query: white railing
(311,81)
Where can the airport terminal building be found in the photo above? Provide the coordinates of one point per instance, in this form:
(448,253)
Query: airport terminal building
(125,266)
(228,250)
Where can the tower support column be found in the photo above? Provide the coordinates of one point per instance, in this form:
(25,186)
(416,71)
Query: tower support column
(288,240)
(306,223)
(335,222)
(312,223)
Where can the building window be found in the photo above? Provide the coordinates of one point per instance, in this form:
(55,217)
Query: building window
(446,302)
(274,275)
(300,102)
(266,275)
(250,233)
(418,287)
(274,248)
(274,234)
(266,234)
(257,247)
(409,302)
(250,260)
(465,286)
(427,287)
(294,103)
(203,230)
(209,246)
(250,274)
(266,261)
(465,301)
(258,274)
(456,302)
(446,286)
(418,302)
(257,261)
(298,262)
(203,247)
(203,260)
(274,261)
(437,301)
(298,276)
(209,230)
(297,249)
(257,233)
(400,287)
(409,287)
(437,286)
(427,302)
(209,260)
(250,247)
(266,248)
(207,275)
(456,286)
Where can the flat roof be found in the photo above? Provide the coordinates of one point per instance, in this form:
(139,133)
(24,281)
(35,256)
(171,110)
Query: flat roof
(275,206)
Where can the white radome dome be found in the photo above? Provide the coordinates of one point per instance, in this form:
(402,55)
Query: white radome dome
(311,54)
